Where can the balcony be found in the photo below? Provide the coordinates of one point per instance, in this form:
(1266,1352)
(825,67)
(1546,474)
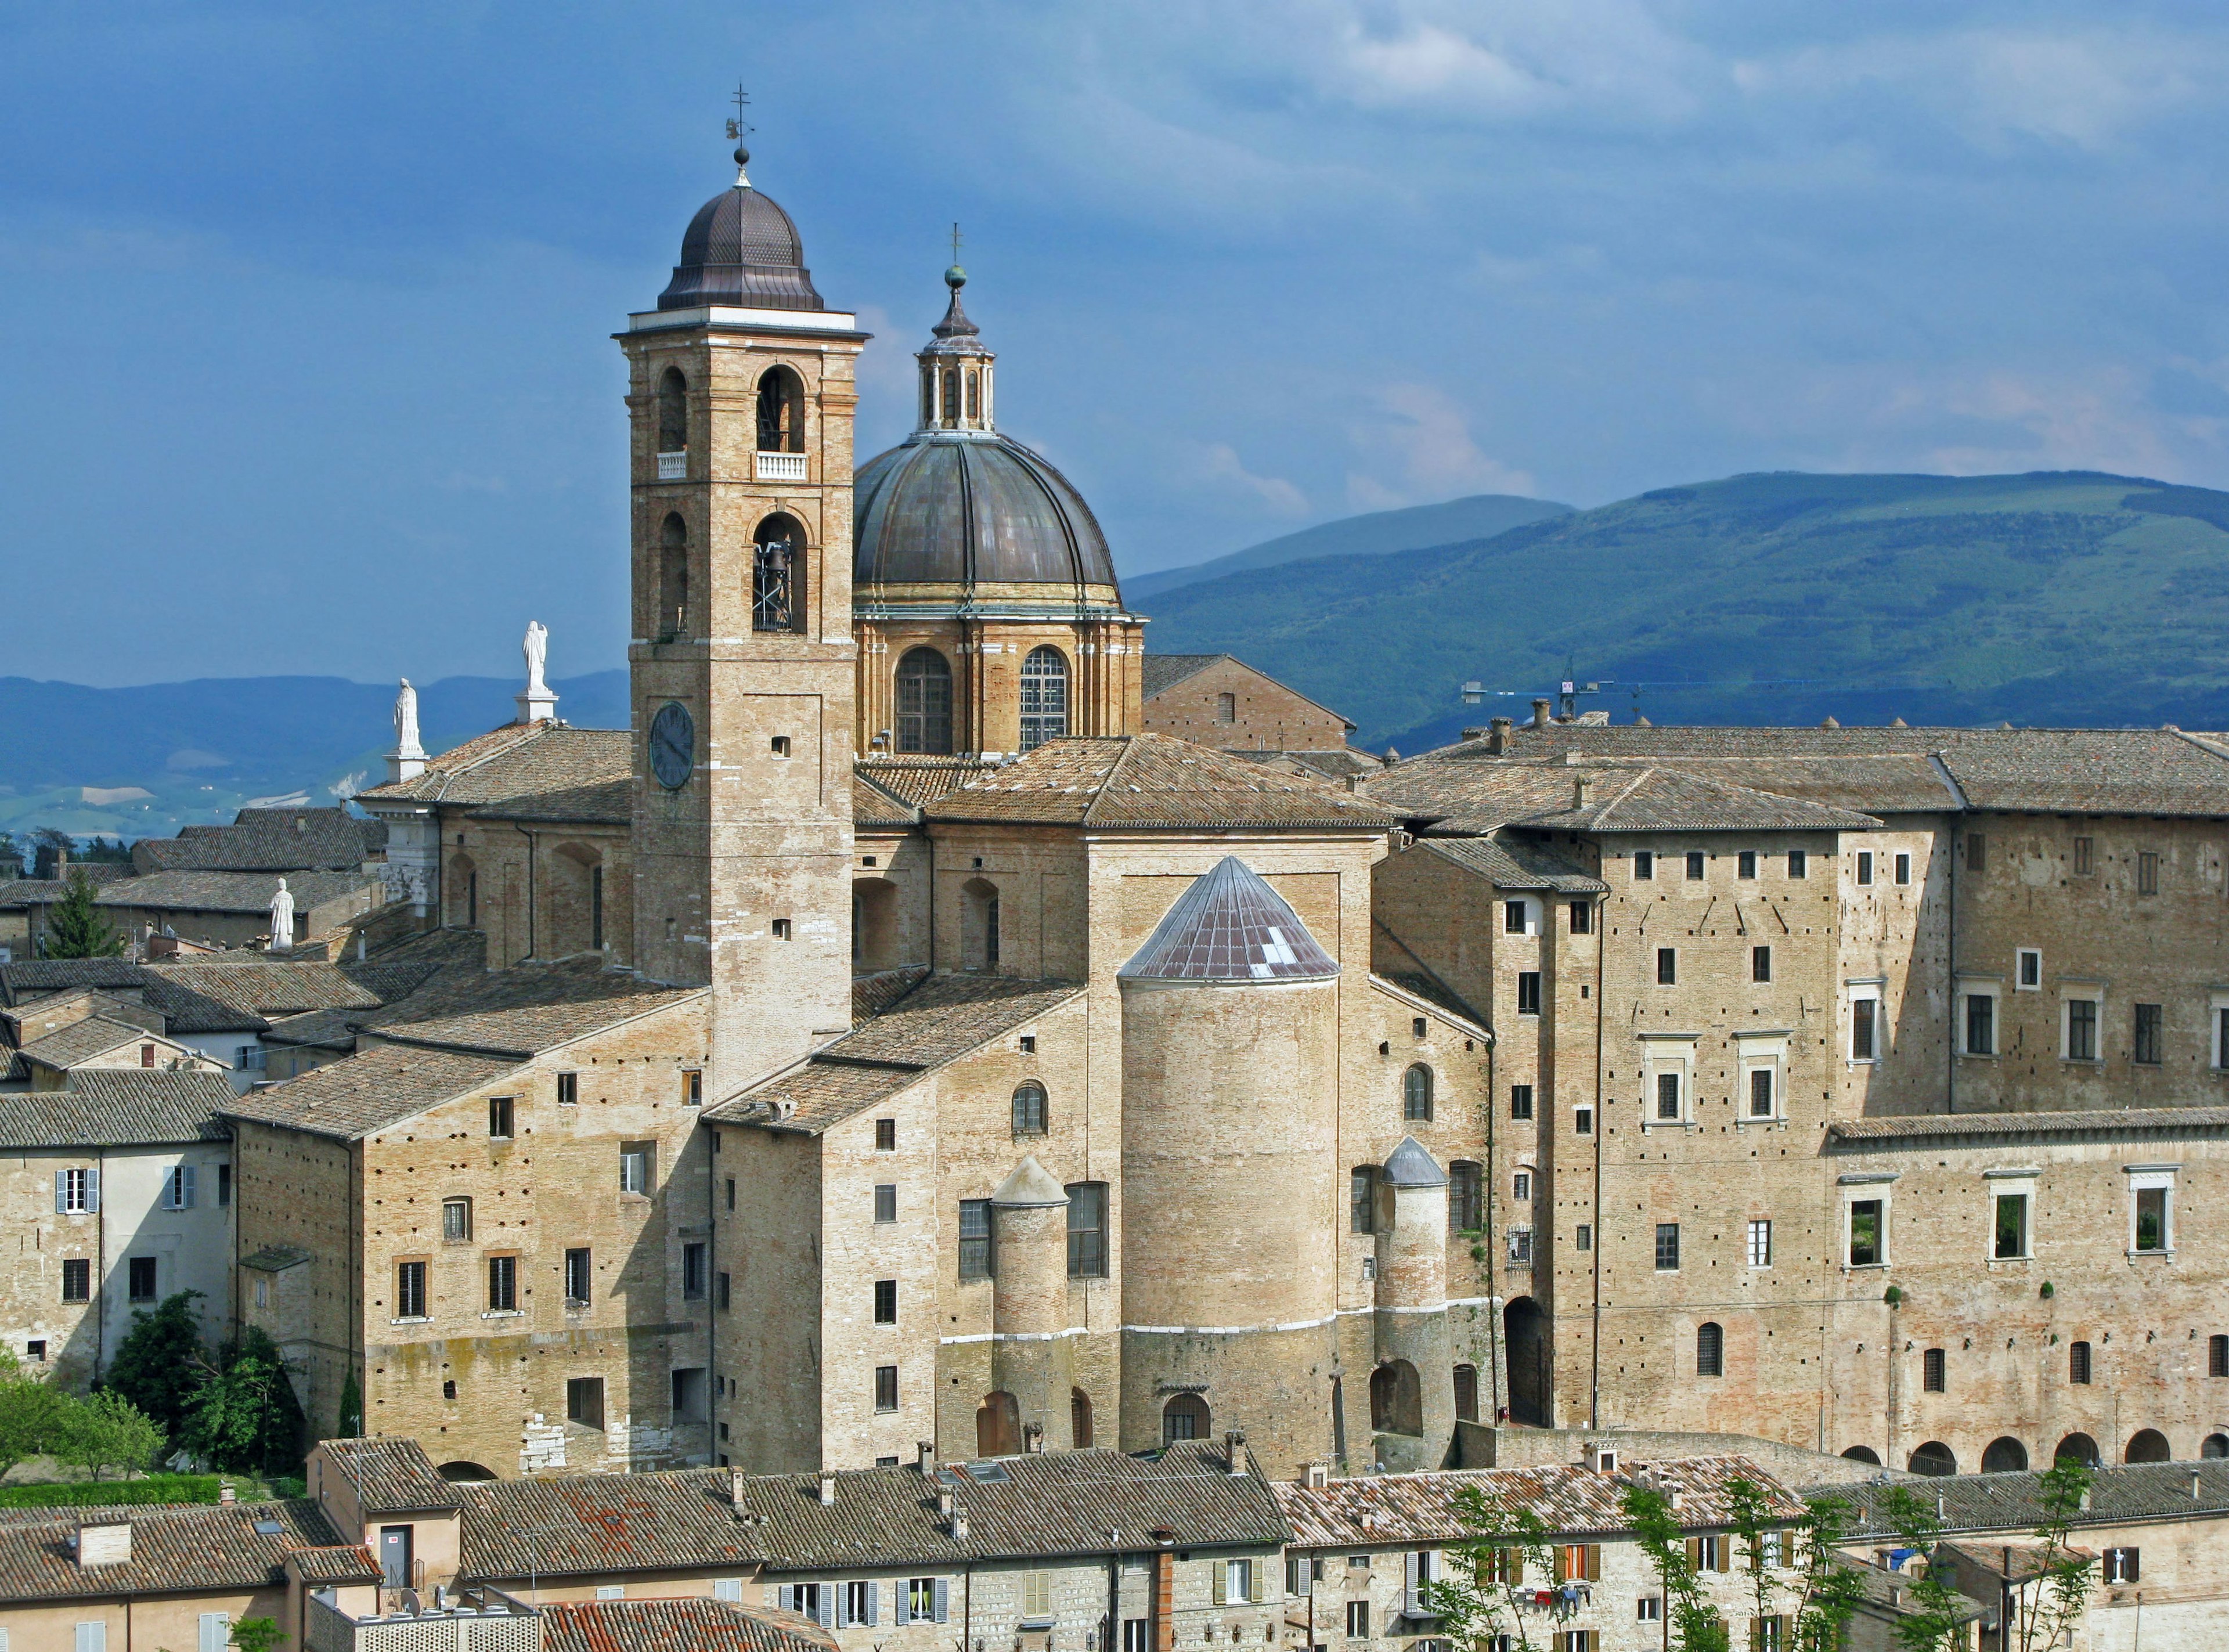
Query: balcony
(673,467)
(468,1620)
(781,467)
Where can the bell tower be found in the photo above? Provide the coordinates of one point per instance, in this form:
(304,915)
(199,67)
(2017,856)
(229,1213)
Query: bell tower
(739,401)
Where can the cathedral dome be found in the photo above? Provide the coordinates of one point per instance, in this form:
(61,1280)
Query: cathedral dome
(969,508)
(741,250)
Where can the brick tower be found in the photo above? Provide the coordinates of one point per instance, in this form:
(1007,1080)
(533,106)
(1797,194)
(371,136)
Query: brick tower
(740,404)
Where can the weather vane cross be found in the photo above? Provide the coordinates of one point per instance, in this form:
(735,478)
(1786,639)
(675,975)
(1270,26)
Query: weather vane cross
(738,127)
(955,243)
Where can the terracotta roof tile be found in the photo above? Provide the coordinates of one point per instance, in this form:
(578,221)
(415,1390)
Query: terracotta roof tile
(267,840)
(543,768)
(1477,798)
(372,1089)
(1508,861)
(205,1549)
(684,1625)
(259,984)
(2132,1121)
(86,1040)
(1153,780)
(390,1476)
(1998,1503)
(523,1010)
(875,805)
(917,780)
(118,1107)
(242,893)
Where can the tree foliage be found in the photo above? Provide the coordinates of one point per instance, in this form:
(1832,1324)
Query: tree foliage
(243,1416)
(32,1413)
(107,1432)
(2049,1604)
(1484,1599)
(74,927)
(258,1635)
(157,1365)
(1692,1622)
(1934,1619)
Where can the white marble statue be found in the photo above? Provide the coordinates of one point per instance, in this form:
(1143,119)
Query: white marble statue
(406,722)
(282,914)
(537,652)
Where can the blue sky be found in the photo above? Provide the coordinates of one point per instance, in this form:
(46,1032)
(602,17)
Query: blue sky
(306,308)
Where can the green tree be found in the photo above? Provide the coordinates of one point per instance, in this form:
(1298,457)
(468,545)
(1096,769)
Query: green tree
(1934,1619)
(160,1365)
(74,926)
(2050,1602)
(1483,1600)
(351,1411)
(1833,1587)
(105,1431)
(32,1414)
(1692,1623)
(244,1417)
(258,1635)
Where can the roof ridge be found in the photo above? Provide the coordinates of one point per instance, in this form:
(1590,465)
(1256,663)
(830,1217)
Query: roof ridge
(1114,773)
(1602,815)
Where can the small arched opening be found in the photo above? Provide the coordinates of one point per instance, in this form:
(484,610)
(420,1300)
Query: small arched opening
(1710,1349)
(1030,1109)
(2077,1448)
(1466,1393)
(951,396)
(924,715)
(2214,1445)
(778,575)
(461,1473)
(2147,1445)
(672,412)
(1862,1454)
(672,578)
(1044,697)
(2004,1456)
(1934,1458)
(1079,1419)
(875,923)
(463,887)
(1396,1399)
(781,411)
(1185,1418)
(997,1426)
(978,926)
(1525,1329)
(1416,1094)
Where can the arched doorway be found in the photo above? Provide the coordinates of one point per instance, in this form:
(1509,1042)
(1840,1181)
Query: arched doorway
(1466,1393)
(1079,1419)
(2079,1448)
(1396,1399)
(2147,1445)
(1525,1332)
(997,1426)
(1934,1458)
(1185,1418)
(2004,1456)
(1862,1454)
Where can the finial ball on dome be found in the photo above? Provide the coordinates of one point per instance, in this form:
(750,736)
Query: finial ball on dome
(742,156)
(955,278)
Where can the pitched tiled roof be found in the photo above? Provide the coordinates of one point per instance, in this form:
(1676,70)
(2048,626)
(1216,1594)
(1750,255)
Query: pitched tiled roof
(942,1019)
(1476,798)
(1385,1510)
(872,994)
(523,1010)
(339,1563)
(876,805)
(35,978)
(915,780)
(1508,861)
(265,840)
(1153,780)
(1160,672)
(1936,1127)
(183,1010)
(204,1550)
(120,1107)
(593,1523)
(390,1476)
(2000,1502)
(259,984)
(396,971)
(324,1028)
(348,1100)
(86,1040)
(520,768)
(233,892)
(1330,765)
(686,1625)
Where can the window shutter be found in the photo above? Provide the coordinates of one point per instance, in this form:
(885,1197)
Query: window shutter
(62,1182)
(1694,1554)
(93,1203)
(728,1589)
(1594,1563)
(1220,1577)
(216,1630)
(1563,1570)
(943,1600)
(825,1601)
(1255,1581)
(786,1598)
(874,1605)
(185,1187)
(93,1637)
(1410,1569)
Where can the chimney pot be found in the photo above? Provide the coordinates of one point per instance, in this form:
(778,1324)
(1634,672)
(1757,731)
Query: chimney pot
(827,1489)
(107,1543)
(1579,792)
(1497,737)
(959,1527)
(735,1487)
(1316,1477)
(1540,714)
(226,1494)
(924,1455)
(1234,1452)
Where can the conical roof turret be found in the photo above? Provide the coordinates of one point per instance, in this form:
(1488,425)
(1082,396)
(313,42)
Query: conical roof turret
(1231,926)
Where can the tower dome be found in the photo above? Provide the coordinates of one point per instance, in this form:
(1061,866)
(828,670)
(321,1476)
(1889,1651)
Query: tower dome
(741,250)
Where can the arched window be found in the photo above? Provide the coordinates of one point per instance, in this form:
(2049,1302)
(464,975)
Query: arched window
(2147,1445)
(997,1426)
(1465,1196)
(2079,1448)
(1466,1393)
(952,395)
(974,395)
(2214,1445)
(978,926)
(778,575)
(2004,1456)
(1934,1458)
(1863,1454)
(1710,1349)
(1044,697)
(925,702)
(1030,1109)
(461,1473)
(781,411)
(672,578)
(1079,1419)
(1396,1399)
(1417,1093)
(672,412)
(1185,1418)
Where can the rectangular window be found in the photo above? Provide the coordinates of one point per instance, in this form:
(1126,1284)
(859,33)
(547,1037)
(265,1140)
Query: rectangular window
(1520,1247)
(1866,1249)
(1528,992)
(1862,1011)
(568,1089)
(1694,865)
(1760,965)
(2077,1363)
(2146,1049)
(1512,917)
(1226,708)
(1668,1247)
(1760,1245)
(77,1193)
(1930,1370)
(1362,1200)
(1746,864)
(634,1167)
(2120,1567)
(782,929)
(1981,1024)
(886,1135)
(2027,968)
(2147,873)
(1357,1620)
(503,1284)
(1904,869)
(2217,1356)
(77,1280)
(1582,1236)
(1799,864)
(1667,1096)
(1865,867)
(1087,1230)
(856,1605)
(730,1184)
(140,1274)
(584,1401)
(886,1302)
(1760,1092)
(1582,917)
(1520,1185)
(1465,1197)
(2152,1219)
(579,1274)
(923,1594)
(2082,1029)
(1977,851)
(1649,1609)
(725,1286)
(974,1239)
(410,1290)
(1520,1101)
(886,1388)
(2011,1226)
(693,1087)
(499,1117)
(696,1269)
(456,1220)
(2085,857)
(1583,1121)
(224,1184)
(178,1188)
(1668,967)
(886,1201)
(690,1400)
(1644,866)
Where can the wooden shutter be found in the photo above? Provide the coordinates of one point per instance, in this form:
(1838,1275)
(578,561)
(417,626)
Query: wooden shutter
(944,1600)
(1412,1569)
(1694,1554)
(1255,1581)
(216,1630)
(823,1599)
(93,1203)
(1724,1556)
(1219,1581)
(1594,1562)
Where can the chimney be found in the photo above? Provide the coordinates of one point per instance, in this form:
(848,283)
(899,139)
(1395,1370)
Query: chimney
(1579,792)
(1497,737)
(105,1544)
(1540,714)
(226,1494)
(736,1490)
(1474,734)
(828,1490)
(944,1505)
(1234,1452)
(1316,1475)
(1391,757)
(959,1526)
(924,1456)
(1033,1439)
(2193,1485)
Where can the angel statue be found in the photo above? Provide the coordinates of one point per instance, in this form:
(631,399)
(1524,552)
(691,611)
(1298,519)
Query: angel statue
(537,652)
(406,722)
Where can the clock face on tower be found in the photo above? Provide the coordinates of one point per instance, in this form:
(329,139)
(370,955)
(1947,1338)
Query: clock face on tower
(673,745)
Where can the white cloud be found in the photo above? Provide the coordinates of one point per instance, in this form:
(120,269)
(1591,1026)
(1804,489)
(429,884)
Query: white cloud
(1423,453)
(1219,462)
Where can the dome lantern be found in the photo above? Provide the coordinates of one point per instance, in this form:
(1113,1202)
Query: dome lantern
(955,370)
